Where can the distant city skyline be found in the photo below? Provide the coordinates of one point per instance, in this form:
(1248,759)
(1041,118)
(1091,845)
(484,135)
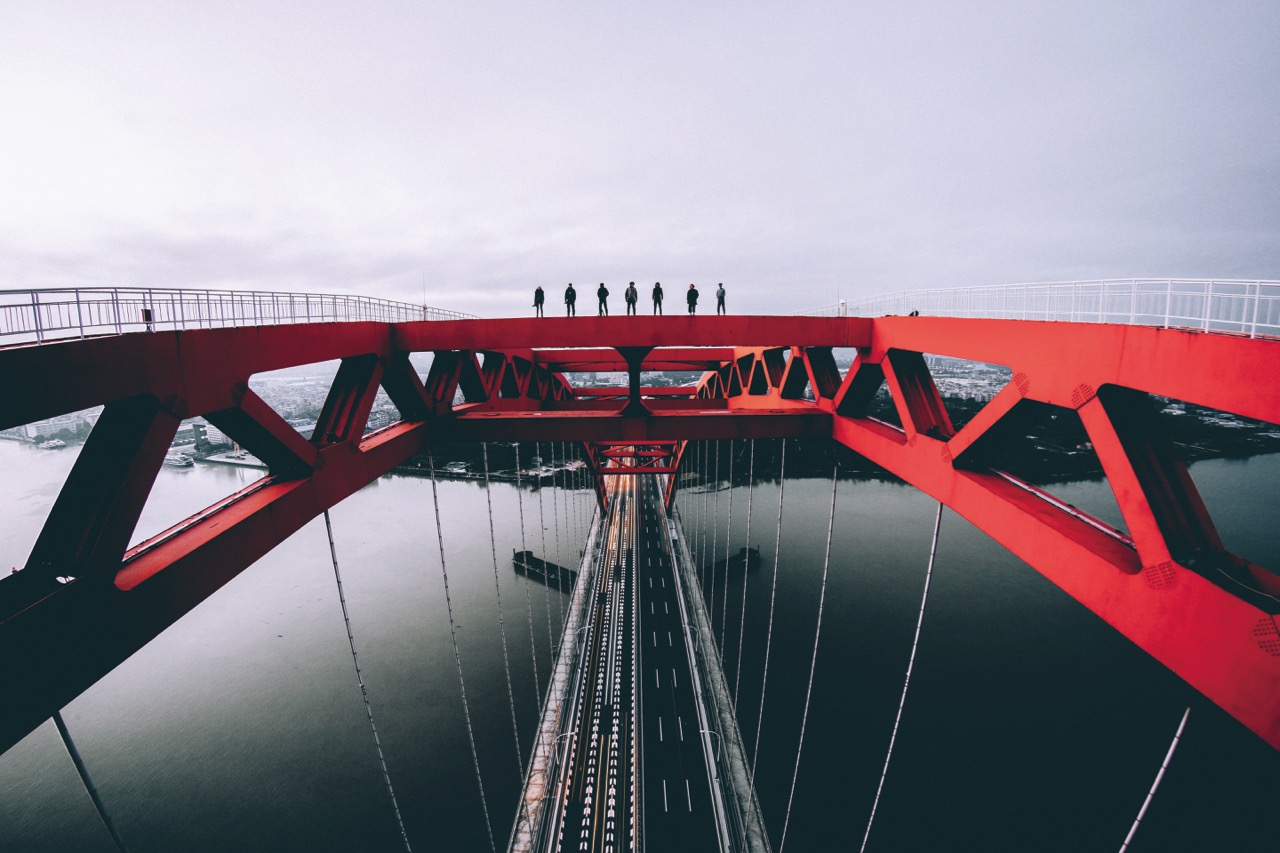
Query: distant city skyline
(460,156)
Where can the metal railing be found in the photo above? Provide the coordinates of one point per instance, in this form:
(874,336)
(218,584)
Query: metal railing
(59,314)
(1212,305)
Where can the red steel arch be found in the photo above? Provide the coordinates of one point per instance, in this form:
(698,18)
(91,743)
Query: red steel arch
(1168,584)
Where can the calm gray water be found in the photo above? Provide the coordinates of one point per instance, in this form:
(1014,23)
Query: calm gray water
(1030,725)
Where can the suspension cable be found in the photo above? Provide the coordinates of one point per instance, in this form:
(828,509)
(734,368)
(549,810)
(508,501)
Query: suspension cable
(915,643)
(706,507)
(555,519)
(502,628)
(715,534)
(364,694)
(89,787)
(457,656)
(528,596)
(1164,765)
(742,625)
(813,663)
(568,495)
(542,528)
(773,594)
(724,605)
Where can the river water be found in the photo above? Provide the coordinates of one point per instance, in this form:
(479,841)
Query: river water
(1030,725)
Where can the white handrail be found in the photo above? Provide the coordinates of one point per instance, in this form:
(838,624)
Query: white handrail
(1233,306)
(61,313)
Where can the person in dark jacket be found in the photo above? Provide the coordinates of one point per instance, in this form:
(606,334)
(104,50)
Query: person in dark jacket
(657,297)
(720,299)
(631,295)
(570,298)
(692,298)
(538,299)
(602,293)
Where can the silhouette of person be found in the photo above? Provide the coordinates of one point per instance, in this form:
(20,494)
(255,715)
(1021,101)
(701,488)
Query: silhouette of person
(570,298)
(692,298)
(538,299)
(631,295)
(720,299)
(602,293)
(657,297)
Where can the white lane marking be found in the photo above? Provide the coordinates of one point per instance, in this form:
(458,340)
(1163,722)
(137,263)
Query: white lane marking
(680,723)
(659,730)
(666,607)
(668,638)
(674,681)
(688,795)
(664,795)
(655,639)
(657,682)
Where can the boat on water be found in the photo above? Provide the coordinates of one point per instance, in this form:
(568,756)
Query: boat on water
(175,459)
(52,444)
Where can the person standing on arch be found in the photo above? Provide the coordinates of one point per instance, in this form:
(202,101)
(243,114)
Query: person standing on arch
(657,297)
(720,298)
(692,298)
(570,298)
(631,295)
(602,293)
(538,298)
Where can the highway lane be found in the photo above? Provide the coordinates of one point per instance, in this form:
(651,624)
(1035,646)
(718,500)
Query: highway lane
(678,812)
(597,811)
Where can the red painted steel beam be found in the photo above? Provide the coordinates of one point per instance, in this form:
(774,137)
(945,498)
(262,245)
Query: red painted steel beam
(83,630)
(1221,640)
(601,332)
(609,426)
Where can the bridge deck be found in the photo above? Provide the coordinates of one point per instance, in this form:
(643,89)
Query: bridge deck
(635,759)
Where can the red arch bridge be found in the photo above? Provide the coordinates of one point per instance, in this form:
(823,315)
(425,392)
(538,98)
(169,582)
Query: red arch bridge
(85,601)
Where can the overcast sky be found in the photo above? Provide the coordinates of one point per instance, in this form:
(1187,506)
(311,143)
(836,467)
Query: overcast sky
(789,150)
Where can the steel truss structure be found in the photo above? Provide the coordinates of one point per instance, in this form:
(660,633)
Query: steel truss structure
(85,601)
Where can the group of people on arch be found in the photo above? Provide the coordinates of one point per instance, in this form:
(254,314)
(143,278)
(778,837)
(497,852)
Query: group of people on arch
(630,296)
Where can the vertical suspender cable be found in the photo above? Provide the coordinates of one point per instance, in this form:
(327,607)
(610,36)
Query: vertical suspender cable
(89,787)
(542,527)
(528,596)
(364,694)
(742,624)
(555,520)
(915,643)
(715,535)
(502,628)
(707,505)
(813,662)
(1164,765)
(457,656)
(568,493)
(724,605)
(773,595)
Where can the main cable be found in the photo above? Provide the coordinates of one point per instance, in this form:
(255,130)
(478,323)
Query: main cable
(364,694)
(813,662)
(528,596)
(724,605)
(502,628)
(915,643)
(746,570)
(773,594)
(457,656)
(715,535)
(1164,765)
(89,787)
